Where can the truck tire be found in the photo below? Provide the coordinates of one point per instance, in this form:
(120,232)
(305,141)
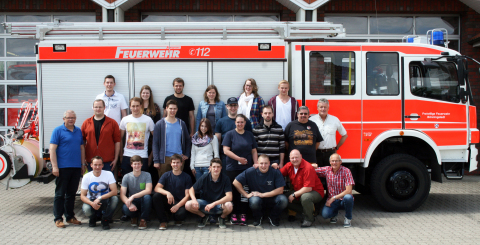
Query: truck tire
(5,165)
(400,183)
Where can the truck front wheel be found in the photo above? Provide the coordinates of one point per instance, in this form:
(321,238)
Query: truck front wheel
(400,183)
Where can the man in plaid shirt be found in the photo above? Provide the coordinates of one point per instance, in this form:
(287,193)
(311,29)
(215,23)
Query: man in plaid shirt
(340,184)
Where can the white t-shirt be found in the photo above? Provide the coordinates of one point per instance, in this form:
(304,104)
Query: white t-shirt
(284,112)
(137,132)
(114,105)
(97,186)
(328,130)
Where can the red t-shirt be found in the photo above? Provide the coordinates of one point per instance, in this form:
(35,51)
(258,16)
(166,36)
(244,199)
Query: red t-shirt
(305,177)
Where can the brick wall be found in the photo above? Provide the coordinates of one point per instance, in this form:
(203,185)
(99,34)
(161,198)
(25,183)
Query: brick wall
(51,6)
(210,6)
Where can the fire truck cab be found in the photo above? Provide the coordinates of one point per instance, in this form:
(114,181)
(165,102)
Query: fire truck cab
(407,108)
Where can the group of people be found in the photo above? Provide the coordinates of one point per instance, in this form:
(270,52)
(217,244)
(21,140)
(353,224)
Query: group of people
(233,161)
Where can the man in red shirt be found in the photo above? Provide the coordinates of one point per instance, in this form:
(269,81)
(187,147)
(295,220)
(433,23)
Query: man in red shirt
(101,135)
(340,184)
(308,189)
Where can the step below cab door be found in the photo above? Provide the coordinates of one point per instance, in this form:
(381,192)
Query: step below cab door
(331,71)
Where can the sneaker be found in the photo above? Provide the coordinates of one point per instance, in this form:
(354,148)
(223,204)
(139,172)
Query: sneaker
(124,218)
(178,223)
(105,224)
(221,223)
(257,221)
(347,222)
(142,225)
(333,220)
(291,218)
(274,221)
(92,222)
(133,221)
(59,223)
(163,226)
(203,221)
(243,219)
(74,221)
(306,223)
(233,219)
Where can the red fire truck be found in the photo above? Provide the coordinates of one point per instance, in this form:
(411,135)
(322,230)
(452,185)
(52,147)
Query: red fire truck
(407,107)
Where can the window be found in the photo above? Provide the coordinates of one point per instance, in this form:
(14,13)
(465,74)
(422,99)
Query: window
(382,74)
(437,81)
(391,28)
(332,73)
(195,17)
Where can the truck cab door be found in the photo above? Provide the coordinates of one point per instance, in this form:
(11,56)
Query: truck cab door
(331,71)
(381,99)
(434,107)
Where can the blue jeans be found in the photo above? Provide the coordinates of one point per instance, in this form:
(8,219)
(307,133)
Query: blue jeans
(199,171)
(201,207)
(144,205)
(275,204)
(106,166)
(345,204)
(107,208)
(65,191)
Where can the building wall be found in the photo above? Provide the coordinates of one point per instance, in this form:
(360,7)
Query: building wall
(51,6)
(210,6)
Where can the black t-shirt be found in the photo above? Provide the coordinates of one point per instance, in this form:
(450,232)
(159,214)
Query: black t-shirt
(97,124)
(261,182)
(241,145)
(303,137)
(212,191)
(176,184)
(185,105)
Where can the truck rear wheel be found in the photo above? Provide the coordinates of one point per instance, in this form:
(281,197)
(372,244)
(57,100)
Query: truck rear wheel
(5,165)
(400,183)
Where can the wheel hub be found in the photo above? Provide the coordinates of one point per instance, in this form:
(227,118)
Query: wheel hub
(402,184)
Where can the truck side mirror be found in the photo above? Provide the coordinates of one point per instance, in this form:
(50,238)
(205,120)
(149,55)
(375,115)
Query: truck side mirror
(461,72)
(463,95)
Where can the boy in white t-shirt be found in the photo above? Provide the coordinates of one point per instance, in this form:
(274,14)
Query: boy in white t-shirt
(115,103)
(99,193)
(138,128)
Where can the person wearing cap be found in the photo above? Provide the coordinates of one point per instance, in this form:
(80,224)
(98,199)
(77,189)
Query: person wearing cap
(227,123)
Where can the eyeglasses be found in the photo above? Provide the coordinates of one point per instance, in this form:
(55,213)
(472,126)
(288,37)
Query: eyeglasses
(335,161)
(302,114)
(70,118)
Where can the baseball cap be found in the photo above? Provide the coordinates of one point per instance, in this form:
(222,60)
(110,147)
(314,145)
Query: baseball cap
(232,100)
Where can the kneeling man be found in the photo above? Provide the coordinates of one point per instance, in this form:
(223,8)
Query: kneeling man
(340,184)
(138,184)
(266,190)
(171,193)
(99,194)
(308,189)
(215,191)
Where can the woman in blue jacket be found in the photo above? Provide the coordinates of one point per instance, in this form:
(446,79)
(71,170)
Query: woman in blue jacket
(211,107)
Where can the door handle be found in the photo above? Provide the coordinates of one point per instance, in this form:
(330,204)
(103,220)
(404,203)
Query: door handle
(413,116)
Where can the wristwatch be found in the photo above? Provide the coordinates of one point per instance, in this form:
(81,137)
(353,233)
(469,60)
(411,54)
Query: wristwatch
(334,197)
(99,198)
(293,195)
